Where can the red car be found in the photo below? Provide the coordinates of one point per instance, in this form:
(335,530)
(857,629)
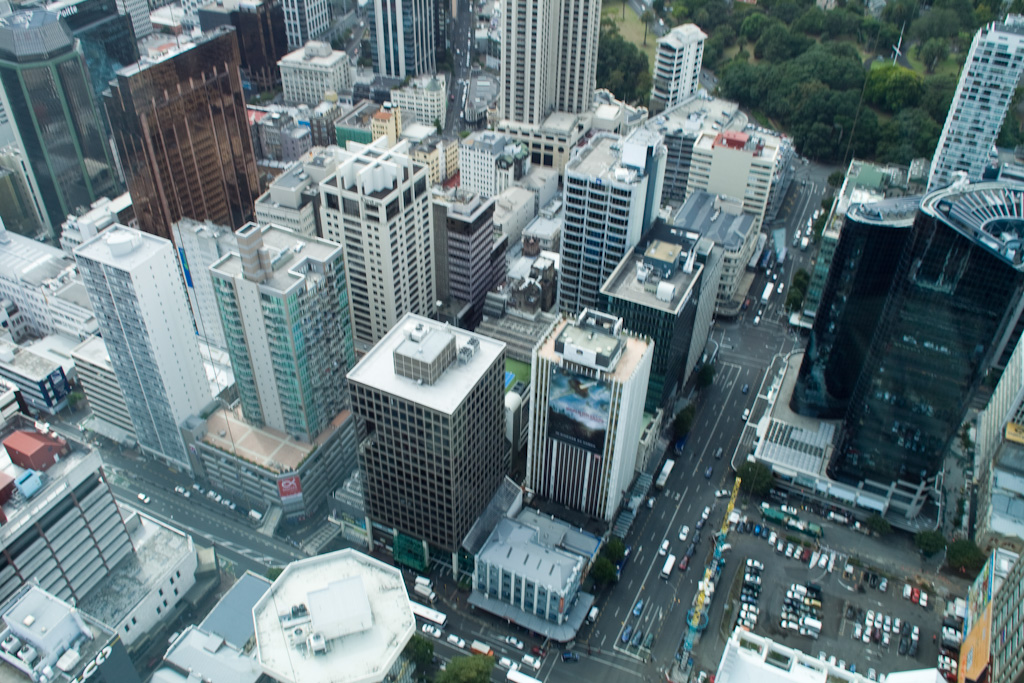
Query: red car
(537,651)
(684,563)
(915,595)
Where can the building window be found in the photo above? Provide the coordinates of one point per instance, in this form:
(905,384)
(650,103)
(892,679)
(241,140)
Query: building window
(158,610)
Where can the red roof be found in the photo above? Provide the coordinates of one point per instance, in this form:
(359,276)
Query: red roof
(27,442)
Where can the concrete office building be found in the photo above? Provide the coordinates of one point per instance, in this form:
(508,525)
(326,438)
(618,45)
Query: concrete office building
(43,385)
(737,164)
(982,97)
(293,199)
(387,123)
(423,99)
(99,382)
(403,37)
(751,657)
(181,131)
(657,291)
(978,637)
(138,12)
(440,155)
(552,141)
(1008,628)
(200,245)
(349,610)
(284,307)
(612,195)
(589,384)
(677,66)
(46,92)
(377,204)
(148,334)
(305,20)
(432,397)
(103,213)
(469,258)
(490,163)
(64,531)
(312,72)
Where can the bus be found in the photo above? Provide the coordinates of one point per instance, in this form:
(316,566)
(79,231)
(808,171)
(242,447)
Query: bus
(517,676)
(767,294)
(666,571)
(427,614)
(665,472)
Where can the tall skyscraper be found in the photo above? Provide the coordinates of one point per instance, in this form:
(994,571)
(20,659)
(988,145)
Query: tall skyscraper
(952,313)
(529,50)
(578,34)
(612,195)
(433,400)
(677,66)
(182,132)
(586,412)
(305,20)
(987,83)
(46,90)
(284,308)
(134,284)
(377,204)
(402,37)
(260,29)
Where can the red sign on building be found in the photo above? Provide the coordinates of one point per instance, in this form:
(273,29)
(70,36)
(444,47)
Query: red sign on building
(289,486)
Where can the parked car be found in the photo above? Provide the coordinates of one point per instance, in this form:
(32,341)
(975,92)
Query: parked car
(754,564)
(570,657)
(627,632)
(684,563)
(706,513)
(638,609)
(684,531)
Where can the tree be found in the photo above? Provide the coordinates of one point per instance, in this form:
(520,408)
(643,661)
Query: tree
(421,651)
(929,542)
(795,298)
(933,51)
(755,478)
(617,57)
(683,421)
(603,571)
(705,376)
(614,549)
(274,572)
(438,126)
(801,278)
(879,525)
(467,669)
(965,557)
(835,179)
(647,17)
(658,6)
(75,398)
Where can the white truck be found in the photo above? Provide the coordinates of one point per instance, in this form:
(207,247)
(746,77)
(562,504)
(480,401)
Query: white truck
(804,243)
(425,592)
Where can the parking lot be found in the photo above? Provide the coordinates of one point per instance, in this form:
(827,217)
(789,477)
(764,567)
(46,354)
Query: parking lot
(846,600)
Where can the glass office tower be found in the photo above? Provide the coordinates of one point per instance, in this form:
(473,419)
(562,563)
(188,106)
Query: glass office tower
(50,99)
(858,283)
(952,312)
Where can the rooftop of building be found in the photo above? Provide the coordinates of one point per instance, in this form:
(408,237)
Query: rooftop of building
(699,112)
(158,549)
(55,348)
(343,617)
(204,655)
(990,213)
(33,263)
(662,276)
(602,159)
(895,211)
(227,431)
(428,82)
(24,362)
(455,383)
(33,34)
(750,657)
(617,352)
(231,617)
(544,227)
(65,639)
(315,53)
(418,132)
(172,49)
(511,199)
(488,141)
(507,499)
(720,219)
(122,247)
(682,35)
(558,533)
(288,252)
(518,547)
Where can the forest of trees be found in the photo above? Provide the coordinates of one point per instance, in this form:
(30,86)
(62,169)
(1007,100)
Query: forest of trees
(827,78)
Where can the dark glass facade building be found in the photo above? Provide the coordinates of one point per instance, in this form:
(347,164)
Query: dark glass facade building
(182,132)
(262,41)
(49,93)
(855,292)
(403,37)
(951,315)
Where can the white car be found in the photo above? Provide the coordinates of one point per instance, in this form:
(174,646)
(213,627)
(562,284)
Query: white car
(755,564)
(431,630)
(456,641)
(789,550)
(823,561)
(907,590)
(663,550)
(684,531)
(752,579)
(514,642)
(923,601)
(773,538)
(179,489)
(706,513)
(144,498)
(723,493)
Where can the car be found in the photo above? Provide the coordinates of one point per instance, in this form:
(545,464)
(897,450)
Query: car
(179,489)
(858,631)
(902,649)
(718,453)
(789,550)
(924,599)
(650,503)
(187,494)
(872,675)
(780,547)
(773,538)
(842,663)
(883,585)
(757,529)
(638,609)
(886,640)
(699,525)
(537,650)
(752,579)
(691,550)
(896,625)
(696,538)
(746,388)
(684,531)
(887,624)
(456,641)
(870,618)
(225,502)
(878,621)
(805,555)
(627,632)
(751,599)
(709,471)
(570,657)
(506,663)
(912,652)
(906,629)
(706,513)
(663,550)
(746,414)
(915,633)
(638,638)
(757,320)
(822,656)
(907,590)
(750,608)
(764,531)
(514,642)
(915,595)
(144,498)
(723,493)
(754,564)
(684,563)
(823,562)
(431,630)
(748,526)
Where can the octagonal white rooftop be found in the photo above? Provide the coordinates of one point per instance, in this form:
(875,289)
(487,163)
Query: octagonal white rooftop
(358,605)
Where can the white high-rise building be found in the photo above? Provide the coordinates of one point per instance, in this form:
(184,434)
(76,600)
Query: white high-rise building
(138,11)
(586,412)
(305,20)
(987,83)
(200,245)
(406,35)
(578,34)
(612,195)
(135,287)
(490,162)
(377,204)
(307,74)
(677,66)
(423,99)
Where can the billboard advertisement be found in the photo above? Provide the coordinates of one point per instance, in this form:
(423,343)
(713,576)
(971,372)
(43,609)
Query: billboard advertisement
(976,652)
(578,408)
(288,487)
(979,595)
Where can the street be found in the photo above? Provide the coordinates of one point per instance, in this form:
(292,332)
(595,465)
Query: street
(463,26)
